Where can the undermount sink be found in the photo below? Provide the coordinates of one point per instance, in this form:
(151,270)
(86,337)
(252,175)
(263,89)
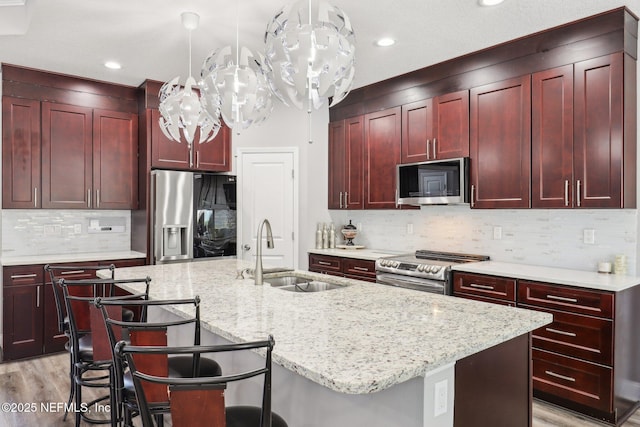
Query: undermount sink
(301,284)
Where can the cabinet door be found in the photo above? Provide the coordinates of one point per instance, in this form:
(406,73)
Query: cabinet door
(552,138)
(451,126)
(417,131)
(500,145)
(115,160)
(22,328)
(354,155)
(337,165)
(166,153)
(20,153)
(215,155)
(66,156)
(382,154)
(598,131)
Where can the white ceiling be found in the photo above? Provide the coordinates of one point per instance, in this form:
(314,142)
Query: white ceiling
(76,36)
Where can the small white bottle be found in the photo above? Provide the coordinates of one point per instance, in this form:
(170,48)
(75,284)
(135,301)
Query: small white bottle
(319,237)
(332,236)
(325,237)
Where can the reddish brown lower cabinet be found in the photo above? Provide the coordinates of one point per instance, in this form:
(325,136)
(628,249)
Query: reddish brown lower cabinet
(586,359)
(353,268)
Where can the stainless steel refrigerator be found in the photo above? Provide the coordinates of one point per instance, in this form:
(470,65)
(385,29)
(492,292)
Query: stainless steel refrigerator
(194,215)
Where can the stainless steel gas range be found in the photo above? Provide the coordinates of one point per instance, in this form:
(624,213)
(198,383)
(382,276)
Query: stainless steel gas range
(427,271)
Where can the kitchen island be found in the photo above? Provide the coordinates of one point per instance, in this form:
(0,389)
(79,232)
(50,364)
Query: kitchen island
(364,354)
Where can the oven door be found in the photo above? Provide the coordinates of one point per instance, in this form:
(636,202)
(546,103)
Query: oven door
(418,284)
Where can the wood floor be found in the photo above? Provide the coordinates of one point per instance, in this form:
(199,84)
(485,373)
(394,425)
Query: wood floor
(42,384)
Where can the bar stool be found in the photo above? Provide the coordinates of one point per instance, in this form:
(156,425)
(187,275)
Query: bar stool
(155,333)
(91,355)
(199,401)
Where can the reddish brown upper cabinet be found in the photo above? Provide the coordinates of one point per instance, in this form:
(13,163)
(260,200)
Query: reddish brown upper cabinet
(600,160)
(20,153)
(346,140)
(436,128)
(89,158)
(166,153)
(382,131)
(552,138)
(500,144)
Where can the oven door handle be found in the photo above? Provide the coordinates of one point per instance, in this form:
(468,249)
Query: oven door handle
(411,283)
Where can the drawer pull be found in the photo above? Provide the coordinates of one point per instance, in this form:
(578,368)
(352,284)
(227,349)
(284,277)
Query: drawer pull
(324,263)
(360,268)
(562,377)
(486,287)
(556,331)
(565,299)
(23,276)
(62,273)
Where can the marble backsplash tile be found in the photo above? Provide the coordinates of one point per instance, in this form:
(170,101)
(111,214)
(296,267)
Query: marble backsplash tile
(47,231)
(551,238)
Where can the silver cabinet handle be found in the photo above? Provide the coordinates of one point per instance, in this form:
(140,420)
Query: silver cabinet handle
(360,268)
(89,198)
(578,195)
(35,197)
(341,200)
(324,263)
(556,331)
(562,377)
(473,189)
(434,149)
(98,198)
(566,192)
(486,287)
(38,297)
(565,299)
(346,199)
(62,273)
(23,276)
(428,149)
(395,195)
(197,159)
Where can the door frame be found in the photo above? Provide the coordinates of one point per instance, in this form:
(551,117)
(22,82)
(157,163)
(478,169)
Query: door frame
(241,151)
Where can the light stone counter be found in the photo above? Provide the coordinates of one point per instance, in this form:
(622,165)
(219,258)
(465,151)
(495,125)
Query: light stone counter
(561,276)
(364,253)
(356,340)
(62,258)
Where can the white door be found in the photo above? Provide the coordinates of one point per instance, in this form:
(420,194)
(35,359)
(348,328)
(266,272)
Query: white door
(267,188)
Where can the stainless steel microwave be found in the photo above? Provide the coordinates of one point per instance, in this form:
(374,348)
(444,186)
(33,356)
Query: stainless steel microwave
(438,182)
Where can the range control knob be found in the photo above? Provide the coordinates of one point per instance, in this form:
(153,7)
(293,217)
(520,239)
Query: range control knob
(435,268)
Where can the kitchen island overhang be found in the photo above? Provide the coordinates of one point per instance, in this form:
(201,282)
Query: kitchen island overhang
(364,342)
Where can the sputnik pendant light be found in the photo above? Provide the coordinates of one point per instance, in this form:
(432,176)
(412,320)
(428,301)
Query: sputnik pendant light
(241,87)
(310,54)
(182,110)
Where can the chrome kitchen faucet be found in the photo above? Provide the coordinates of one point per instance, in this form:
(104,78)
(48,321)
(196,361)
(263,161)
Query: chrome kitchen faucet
(258,270)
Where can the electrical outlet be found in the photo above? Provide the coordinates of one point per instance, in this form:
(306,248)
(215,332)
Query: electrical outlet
(77,228)
(589,236)
(359,227)
(409,228)
(440,398)
(497,233)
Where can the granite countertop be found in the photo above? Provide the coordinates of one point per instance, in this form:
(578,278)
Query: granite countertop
(359,339)
(560,276)
(363,253)
(61,258)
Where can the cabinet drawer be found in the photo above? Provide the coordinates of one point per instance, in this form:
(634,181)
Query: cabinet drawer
(359,267)
(584,337)
(22,275)
(487,286)
(323,263)
(485,299)
(582,301)
(76,271)
(581,382)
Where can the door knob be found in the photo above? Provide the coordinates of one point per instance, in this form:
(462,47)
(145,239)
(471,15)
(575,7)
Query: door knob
(246,247)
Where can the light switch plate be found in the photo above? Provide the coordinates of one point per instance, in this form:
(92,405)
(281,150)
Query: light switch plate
(589,236)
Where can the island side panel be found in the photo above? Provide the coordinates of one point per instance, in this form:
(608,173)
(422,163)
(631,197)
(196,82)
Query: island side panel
(493,387)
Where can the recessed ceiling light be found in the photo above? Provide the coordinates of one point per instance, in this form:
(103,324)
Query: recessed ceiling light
(385,41)
(489,2)
(113,65)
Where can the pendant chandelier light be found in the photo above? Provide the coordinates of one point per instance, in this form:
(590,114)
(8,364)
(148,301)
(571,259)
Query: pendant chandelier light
(310,54)
(182,110)
(241,87)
